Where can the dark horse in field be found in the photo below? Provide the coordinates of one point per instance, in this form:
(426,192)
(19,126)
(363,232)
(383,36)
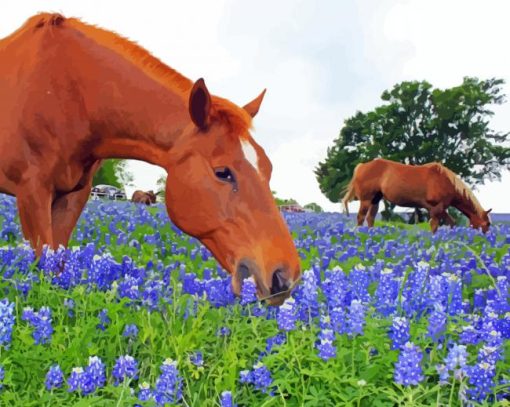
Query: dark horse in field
(72,94)
(143,197)
(431,186)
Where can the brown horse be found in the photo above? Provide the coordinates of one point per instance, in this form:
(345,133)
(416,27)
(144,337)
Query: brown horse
(72,94)
(431,186)
(142,197)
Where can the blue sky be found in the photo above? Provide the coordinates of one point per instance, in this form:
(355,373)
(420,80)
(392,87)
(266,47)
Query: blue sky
(320,61)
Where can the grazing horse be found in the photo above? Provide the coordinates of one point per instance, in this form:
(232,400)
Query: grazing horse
(431,186)
(142,197)
(72,94)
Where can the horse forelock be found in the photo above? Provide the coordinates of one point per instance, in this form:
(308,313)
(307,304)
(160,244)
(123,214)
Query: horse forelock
(236,118)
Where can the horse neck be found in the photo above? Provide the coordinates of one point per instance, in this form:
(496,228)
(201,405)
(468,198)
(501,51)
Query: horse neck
(133,115)
(465,205)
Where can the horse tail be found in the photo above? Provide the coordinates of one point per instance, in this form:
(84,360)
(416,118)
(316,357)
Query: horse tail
(349,193)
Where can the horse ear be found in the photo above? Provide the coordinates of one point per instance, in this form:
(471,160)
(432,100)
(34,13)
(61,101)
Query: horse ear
(253,107)
(489,211)
(200,104)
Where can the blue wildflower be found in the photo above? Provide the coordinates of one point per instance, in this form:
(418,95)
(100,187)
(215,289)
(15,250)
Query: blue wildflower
(7,320)
(144,394)
(437,324)
(356,318)
(325,346)
(286,318)
(126,367)
(168,384)
(54,378)
(226,399)
(248,291)
(197,359)
(399,332)
(130,331)
(408,369)
(103,320)
(41,322)
(481,380)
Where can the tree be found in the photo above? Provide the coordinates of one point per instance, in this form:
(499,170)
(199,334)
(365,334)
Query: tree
(313,207)
(283,201)
(113,172)
(420,124)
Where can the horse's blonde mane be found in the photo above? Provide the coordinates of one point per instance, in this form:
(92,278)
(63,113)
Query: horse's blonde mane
(221,109)
(461,188)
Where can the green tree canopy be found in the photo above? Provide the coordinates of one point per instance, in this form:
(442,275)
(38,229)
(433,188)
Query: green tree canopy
(113,172)
(418,124)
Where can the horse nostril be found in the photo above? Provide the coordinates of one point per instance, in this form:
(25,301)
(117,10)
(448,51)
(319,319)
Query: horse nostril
(243,271)
(279,282)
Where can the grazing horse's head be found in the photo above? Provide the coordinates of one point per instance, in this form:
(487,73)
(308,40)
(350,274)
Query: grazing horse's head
(482,221)
(218,191)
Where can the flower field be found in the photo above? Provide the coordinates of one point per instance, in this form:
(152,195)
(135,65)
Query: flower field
(137,313)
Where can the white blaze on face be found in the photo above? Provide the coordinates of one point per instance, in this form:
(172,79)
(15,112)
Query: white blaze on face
(250,154)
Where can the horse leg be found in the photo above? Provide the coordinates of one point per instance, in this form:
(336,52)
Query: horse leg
(33,199)
(436,213)
(66,208)
(362,213)
(448,219)
(372,213)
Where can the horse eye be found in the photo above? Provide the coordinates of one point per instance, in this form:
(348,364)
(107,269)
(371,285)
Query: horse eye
(224,174)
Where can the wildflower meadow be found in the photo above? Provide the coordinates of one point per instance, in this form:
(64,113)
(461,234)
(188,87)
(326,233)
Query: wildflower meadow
(135,312)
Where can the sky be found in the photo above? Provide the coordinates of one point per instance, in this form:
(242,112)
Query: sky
(320,62)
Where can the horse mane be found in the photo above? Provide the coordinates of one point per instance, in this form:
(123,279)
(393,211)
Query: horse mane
(221,109)
(461,188)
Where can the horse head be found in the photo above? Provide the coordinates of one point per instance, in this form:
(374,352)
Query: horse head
(481,221)
(218,191)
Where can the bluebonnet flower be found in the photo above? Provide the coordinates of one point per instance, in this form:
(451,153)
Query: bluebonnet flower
(356,320)
(75,379)
(96,372)
(197,359)
(248,291)
(469,335)
(103,320)
(168,384)
(54,378)
(130,331)
(399,332)
(338,320)
(386,292)
(360,281)
(126,367)
(335,288)
(69,304)
(325,346)
(144,394)
(223,331)
(260,377)
(286,318)
(226,399)
(481,380)
(456,359)
(7,320)
(41,322)
(273,341)
(2,376)
(408,369)
(454,294)
(308,297)
(444,375)
(437,324)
